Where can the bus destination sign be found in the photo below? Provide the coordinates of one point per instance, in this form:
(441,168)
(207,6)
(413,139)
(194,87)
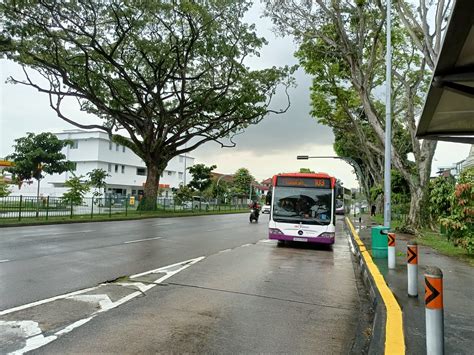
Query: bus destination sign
(303,182)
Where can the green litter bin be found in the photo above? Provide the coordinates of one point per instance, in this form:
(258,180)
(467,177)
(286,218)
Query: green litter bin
(379,242)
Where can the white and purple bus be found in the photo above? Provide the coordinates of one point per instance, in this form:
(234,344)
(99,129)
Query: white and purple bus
(303,208)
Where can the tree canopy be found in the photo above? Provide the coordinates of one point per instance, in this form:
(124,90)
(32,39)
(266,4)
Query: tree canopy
(36,154)
(242,181)
(97,179)
(201,176)
(164,77)
(342,44)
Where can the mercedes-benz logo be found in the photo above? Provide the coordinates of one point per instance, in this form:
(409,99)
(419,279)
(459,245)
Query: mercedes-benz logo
(300,232)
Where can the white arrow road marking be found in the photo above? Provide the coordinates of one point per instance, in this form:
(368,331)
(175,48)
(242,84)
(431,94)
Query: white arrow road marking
(104,301)
(32,332)
(141,240)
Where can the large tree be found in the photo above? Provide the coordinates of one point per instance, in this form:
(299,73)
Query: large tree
(342,43)
(164,77)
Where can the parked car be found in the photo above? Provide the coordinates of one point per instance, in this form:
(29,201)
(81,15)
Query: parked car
(266,209)
(197,203)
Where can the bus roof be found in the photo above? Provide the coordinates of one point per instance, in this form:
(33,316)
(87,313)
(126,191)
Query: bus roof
(306,175)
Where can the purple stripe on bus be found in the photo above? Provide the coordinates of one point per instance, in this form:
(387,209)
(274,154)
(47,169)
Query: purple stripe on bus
(319,240)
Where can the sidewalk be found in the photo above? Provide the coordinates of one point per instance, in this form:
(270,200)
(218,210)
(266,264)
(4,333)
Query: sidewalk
(458,284)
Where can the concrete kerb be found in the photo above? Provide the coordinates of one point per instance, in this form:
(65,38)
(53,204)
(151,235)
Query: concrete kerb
(387,330)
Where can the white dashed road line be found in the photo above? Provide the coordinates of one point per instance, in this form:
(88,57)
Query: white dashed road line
(141,240)
(4,261)
(59,233)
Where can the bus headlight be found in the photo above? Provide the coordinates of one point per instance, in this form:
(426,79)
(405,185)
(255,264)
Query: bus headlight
(327,235)
(274,231)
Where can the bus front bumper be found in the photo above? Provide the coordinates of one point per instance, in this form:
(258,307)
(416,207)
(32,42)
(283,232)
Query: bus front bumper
(304,239)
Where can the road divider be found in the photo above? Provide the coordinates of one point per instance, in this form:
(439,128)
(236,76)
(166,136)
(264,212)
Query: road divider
(434,311)
(393,336)
(412,269)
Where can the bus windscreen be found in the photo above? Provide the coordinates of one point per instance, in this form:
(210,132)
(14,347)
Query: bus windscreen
(305,205)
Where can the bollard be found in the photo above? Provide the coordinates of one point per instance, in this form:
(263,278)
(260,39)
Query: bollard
(391,251)
(434,311)
(412,269)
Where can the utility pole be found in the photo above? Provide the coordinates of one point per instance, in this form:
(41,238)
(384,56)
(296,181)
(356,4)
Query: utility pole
(387,213)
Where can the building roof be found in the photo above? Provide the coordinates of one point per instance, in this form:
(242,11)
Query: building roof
(448,113)
(223,177)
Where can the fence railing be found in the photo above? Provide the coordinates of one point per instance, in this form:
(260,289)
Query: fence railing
(20,207)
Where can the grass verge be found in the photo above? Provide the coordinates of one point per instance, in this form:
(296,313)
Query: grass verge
(105,217)
(440,243)
(378,218)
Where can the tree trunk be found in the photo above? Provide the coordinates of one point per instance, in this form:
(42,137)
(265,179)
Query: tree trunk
(419,186)
(417,203)
(154,170)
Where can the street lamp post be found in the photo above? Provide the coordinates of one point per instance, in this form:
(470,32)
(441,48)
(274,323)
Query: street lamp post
(217,184)
(387,213)
(348,160)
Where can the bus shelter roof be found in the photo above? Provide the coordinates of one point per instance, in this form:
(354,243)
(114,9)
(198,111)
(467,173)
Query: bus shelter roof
(448,113)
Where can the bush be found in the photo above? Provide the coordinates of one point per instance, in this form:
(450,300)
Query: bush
(459,223)
(441,191)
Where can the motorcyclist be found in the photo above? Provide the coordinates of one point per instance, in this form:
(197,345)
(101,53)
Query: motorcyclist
(255,207)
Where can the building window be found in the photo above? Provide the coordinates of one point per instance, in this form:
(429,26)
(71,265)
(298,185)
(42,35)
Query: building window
(141,171)
(180,175)
(170,173)
(109,168)
(181,159)
(134,192)
(161,175)
(110,145)
(74,144)
(123,149)
(116,147)
(123,169)
(116,168)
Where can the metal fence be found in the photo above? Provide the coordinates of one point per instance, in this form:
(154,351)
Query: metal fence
(20,207)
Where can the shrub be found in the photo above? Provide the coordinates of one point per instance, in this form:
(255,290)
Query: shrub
(459,223)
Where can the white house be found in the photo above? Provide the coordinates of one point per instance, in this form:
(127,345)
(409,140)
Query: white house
(94,150)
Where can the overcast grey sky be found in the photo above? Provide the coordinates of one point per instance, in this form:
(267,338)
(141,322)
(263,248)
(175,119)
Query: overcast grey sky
(265,149)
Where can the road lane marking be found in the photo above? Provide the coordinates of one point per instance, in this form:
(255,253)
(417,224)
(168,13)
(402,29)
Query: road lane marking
(4,261)
(141,240)
(225,251)
(58,233)
(263,241)
(162,224)
(246,245)
(33,334)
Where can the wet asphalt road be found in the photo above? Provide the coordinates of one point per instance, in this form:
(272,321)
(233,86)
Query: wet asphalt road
(44,261)
(248,295)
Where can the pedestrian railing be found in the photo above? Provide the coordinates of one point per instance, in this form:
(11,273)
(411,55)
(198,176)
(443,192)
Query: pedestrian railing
(45,208)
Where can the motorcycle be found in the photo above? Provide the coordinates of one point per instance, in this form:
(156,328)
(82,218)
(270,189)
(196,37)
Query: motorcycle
(254,214)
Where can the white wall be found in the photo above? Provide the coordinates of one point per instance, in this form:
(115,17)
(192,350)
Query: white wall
(93,152)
